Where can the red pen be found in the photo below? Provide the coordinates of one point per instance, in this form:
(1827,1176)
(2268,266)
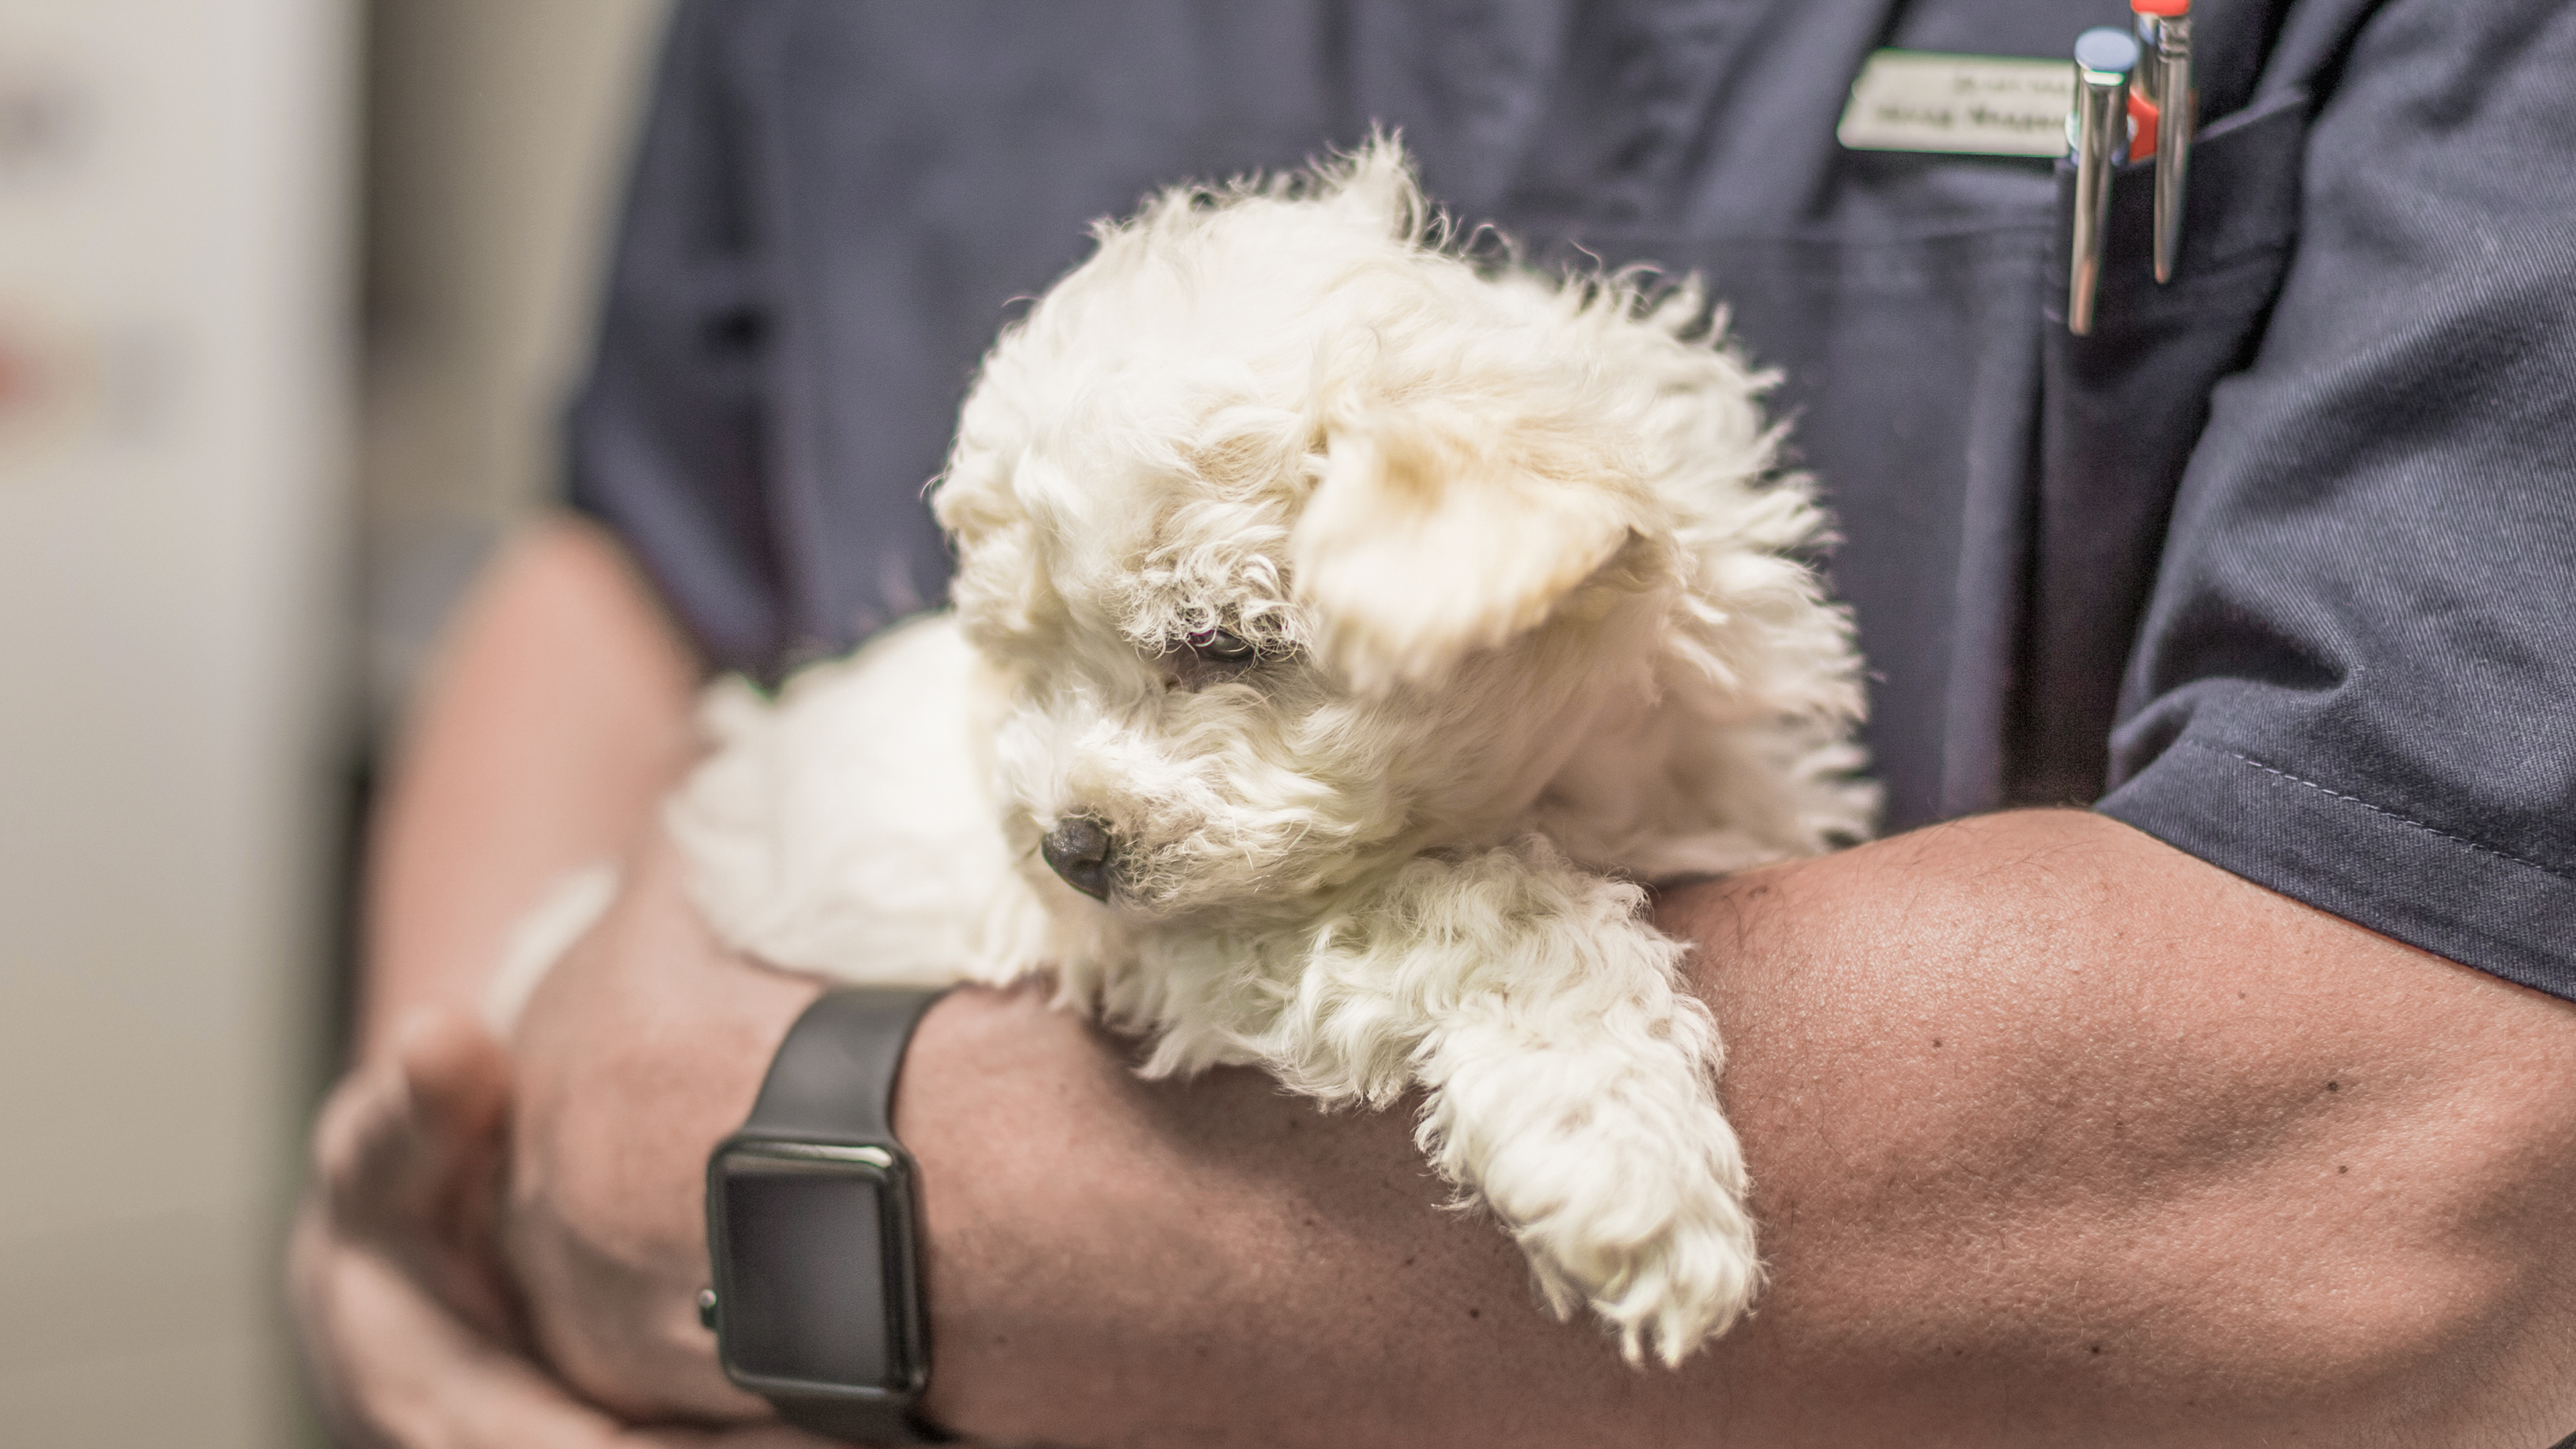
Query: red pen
(2166,119)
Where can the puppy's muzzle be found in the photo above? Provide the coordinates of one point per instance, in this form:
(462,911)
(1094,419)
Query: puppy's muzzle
(1078,850)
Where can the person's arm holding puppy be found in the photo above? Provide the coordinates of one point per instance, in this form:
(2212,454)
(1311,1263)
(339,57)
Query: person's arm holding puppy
(2124,1139)
(2042,1135)
(2058,1136)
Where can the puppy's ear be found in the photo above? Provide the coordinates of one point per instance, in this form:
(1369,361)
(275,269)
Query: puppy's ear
(1002,588)
(1423,543)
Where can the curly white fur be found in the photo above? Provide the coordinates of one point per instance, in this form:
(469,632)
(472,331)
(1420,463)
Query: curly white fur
(1531,625)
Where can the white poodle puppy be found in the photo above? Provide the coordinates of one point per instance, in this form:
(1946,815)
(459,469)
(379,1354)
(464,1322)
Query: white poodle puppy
(1343,631)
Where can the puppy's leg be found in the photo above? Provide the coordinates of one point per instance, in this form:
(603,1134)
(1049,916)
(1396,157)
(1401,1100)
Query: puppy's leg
(1573,1083)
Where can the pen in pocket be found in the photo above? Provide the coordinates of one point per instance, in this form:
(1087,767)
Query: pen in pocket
(2164,79)
(2098,134)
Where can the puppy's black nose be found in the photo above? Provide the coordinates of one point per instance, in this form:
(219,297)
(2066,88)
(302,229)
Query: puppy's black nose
(1078,850)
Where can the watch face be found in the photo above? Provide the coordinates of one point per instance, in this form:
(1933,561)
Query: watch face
(813,1278)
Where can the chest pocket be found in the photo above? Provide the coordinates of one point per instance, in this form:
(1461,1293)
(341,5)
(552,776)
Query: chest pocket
(2120,411)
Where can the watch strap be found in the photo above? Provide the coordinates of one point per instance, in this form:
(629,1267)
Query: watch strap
(833,1078)
(832,1082)
(857,1421)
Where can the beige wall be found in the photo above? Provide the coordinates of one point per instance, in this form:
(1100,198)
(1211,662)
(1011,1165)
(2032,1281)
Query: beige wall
(173,273)
(205,459)
(497,158)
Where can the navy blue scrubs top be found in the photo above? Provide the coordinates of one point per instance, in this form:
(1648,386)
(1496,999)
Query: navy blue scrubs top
(2279,565)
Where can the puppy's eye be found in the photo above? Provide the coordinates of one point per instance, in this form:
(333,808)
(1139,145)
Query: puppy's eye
(1219,646)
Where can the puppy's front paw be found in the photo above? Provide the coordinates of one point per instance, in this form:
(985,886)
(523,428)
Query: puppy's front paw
(1654,1237)
(1608,1159)
(1573,1086)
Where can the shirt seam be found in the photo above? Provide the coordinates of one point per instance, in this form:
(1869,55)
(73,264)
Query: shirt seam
(2331,793)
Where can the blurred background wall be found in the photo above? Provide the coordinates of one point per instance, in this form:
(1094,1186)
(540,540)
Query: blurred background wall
(290,291)
(495,159)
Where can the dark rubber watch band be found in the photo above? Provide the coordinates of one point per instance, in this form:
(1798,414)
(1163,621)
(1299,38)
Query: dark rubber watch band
(833,1077)
(831,1086)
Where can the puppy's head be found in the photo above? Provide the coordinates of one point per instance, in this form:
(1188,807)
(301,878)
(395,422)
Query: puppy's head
(1305,545)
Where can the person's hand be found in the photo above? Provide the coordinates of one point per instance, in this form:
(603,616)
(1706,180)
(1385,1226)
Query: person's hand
(408,1320)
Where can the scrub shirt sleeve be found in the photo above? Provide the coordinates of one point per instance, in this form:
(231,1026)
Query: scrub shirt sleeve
(2356,679)
(666,435)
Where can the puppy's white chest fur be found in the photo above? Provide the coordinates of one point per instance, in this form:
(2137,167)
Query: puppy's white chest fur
(1342,631)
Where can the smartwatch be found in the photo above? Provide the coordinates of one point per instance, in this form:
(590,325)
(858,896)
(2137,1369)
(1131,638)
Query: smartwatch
(812,1217)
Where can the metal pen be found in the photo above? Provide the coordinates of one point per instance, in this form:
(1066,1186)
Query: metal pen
(2164,33)
(2098,134)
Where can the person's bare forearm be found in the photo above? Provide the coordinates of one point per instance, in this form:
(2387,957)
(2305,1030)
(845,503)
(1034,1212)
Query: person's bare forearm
(556,715)
(2060,1136)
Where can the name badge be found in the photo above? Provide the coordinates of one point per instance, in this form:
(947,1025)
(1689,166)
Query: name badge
(1979,105)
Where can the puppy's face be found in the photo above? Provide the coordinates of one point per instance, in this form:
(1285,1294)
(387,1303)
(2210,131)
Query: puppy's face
(1194,727)
(1302,547)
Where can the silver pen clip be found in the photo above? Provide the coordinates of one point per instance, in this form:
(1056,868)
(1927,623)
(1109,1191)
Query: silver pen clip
(2164,77)
(2098,135)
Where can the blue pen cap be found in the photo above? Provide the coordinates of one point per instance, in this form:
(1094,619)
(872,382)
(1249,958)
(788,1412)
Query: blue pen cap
(2113,52)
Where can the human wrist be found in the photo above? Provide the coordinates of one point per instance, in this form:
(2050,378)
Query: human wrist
(640,1051)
